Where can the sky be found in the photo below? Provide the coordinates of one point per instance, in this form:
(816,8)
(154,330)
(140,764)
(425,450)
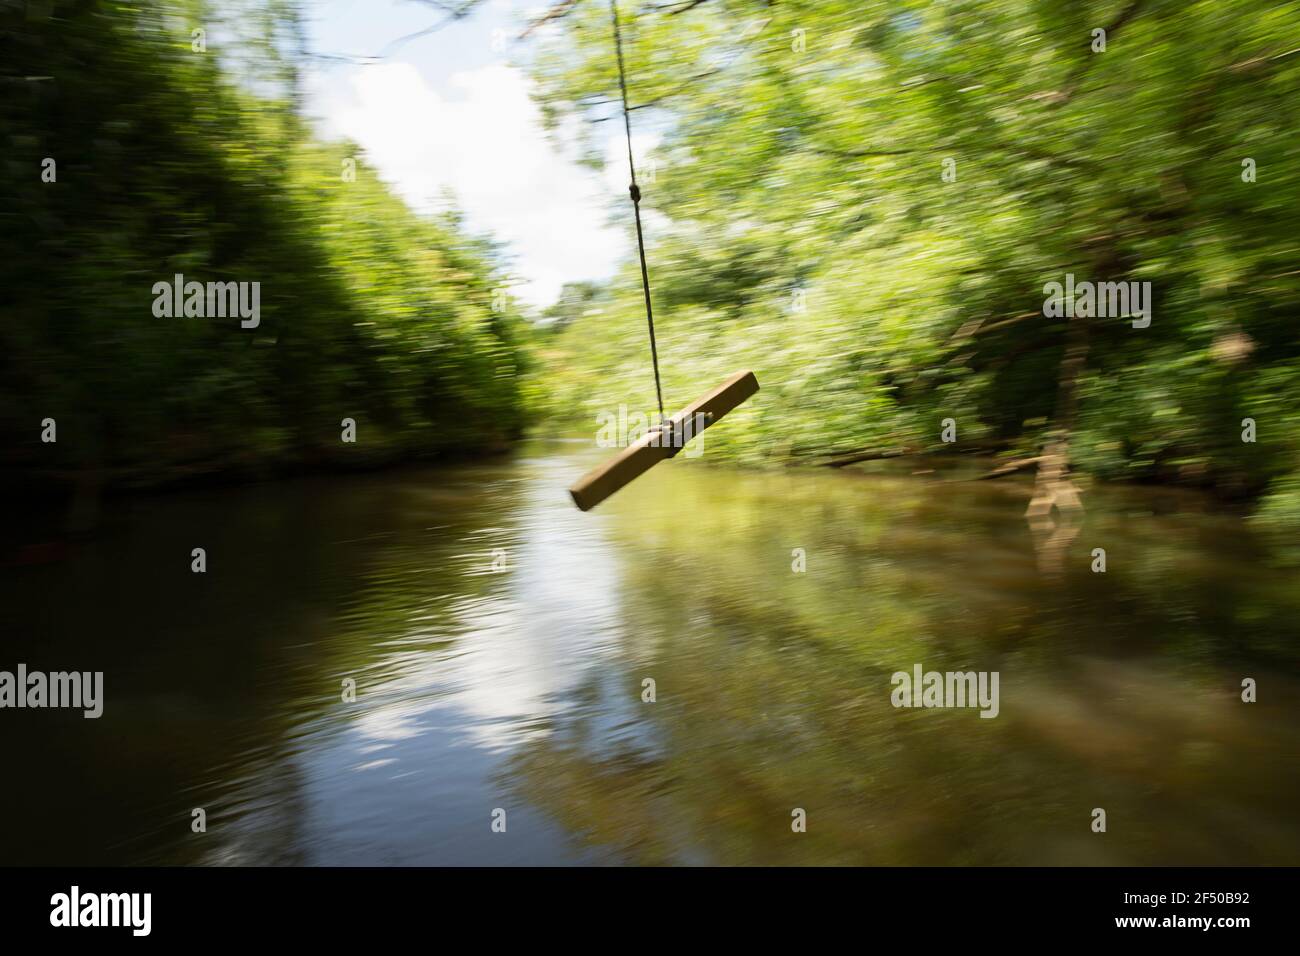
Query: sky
(450,113)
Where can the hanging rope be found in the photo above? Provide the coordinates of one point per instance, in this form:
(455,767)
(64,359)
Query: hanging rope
(635,192)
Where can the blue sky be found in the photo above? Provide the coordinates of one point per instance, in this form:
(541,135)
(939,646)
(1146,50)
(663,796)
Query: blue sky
(450,113)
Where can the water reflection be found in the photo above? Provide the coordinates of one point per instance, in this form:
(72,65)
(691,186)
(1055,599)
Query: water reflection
(518,684)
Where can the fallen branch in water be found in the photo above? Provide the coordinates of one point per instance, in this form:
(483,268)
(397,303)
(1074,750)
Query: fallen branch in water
(840,459)
(1011,467)
(869,456)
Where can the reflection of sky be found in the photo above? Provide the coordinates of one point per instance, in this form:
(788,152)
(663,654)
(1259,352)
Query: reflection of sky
(426,742)
(528,648)
(522,648)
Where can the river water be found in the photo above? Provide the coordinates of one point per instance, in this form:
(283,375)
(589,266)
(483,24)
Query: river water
(501,642)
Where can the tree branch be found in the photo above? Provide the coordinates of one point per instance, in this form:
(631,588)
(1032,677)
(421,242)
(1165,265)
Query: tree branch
(556,12)
(1076,79)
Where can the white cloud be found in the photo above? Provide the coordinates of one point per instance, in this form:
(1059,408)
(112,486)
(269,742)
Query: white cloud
(484,141)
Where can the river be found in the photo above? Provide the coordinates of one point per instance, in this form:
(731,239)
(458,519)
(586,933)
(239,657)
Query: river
(501,641)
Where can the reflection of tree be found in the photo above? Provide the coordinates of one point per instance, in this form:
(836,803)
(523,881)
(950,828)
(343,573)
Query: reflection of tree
(773,691)
(740,736)
(211,679)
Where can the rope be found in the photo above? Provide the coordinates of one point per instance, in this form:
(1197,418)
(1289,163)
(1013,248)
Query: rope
(635,192)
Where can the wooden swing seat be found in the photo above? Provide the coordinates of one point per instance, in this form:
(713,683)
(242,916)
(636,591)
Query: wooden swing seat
(640,456)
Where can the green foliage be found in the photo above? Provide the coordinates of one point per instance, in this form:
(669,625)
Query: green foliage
(167,164)
(821,172)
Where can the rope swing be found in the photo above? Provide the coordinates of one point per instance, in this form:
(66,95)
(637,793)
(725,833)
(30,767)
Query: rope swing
(667,437)
(635,192)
